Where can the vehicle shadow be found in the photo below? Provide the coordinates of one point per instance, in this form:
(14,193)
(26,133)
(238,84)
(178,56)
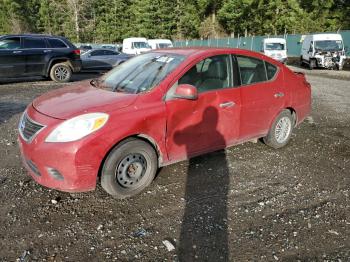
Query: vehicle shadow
(204,234)
(8,109)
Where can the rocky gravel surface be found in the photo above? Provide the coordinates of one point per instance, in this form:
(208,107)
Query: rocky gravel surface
(247,203)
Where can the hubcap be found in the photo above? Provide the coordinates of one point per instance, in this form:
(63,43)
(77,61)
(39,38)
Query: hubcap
(131,170)
(61,73)
(283,128)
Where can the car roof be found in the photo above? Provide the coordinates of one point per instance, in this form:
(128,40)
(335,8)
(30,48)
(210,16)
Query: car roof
(195,52)
(33,35)
(190,51)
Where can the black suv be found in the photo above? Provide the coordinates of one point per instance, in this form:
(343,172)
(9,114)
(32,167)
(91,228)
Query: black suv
(38,55)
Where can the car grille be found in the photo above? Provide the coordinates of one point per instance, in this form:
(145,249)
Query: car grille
(28,128)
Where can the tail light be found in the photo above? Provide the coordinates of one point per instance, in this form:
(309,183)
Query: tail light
(76,51)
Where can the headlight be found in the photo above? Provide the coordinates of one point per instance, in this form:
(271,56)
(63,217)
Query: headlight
(77,127)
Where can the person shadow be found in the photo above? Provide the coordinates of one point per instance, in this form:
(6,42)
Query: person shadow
(204,234)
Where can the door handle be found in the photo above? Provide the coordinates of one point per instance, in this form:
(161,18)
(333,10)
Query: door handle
(47,51)
(17,52)
(277,95)
(227,104)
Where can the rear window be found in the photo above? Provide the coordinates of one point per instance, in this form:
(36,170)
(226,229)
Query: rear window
(34,43)
(56,43)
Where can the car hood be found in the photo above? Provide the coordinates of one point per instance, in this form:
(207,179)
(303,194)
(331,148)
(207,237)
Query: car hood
(79,99)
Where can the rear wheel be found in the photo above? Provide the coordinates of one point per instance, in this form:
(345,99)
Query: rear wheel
(281,130)
(61,73)
(129,168)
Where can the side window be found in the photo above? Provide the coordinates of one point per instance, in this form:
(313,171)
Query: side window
(209,74)
(270,70)
(56,43)
(252,70)
(97,53)
(34,43)
(10,43)
(107,52)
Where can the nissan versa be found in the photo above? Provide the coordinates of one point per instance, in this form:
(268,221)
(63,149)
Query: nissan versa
(155,109)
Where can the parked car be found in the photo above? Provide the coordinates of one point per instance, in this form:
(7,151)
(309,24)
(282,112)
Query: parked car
(102,59)
(160,43)
(38,55)
(156,109)
(135,45)
(275,48)
(323,50)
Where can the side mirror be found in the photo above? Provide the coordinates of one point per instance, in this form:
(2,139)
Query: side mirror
(186,91)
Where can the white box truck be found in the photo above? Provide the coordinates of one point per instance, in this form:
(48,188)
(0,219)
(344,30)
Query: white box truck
(160,43)
(275,48)
(323,50)
(135,45)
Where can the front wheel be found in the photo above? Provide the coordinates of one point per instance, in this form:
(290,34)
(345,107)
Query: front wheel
(280,131)
(312,64)
(61,73)
(129,168)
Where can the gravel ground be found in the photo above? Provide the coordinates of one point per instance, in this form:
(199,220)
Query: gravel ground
(249,202)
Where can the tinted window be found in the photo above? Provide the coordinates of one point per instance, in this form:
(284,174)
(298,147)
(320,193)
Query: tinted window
(10,43)
(97,53)
(34,43)
(252,70)
(270,70)
(56,43)
(209,74)
(107,52)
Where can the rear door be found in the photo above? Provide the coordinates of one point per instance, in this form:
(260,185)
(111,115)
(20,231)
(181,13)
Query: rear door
(12,59)
(97,60)
(262,94)
(36,50)
(212,121)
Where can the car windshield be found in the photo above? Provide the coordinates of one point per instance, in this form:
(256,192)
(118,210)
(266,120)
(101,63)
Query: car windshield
(274,46)
(329,45)
(140,45)
(141,73)
(164,45)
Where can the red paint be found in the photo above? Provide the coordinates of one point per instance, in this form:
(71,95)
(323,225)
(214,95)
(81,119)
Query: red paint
(178,128)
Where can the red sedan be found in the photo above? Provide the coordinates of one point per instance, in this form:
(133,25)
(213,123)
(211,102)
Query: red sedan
(156,109)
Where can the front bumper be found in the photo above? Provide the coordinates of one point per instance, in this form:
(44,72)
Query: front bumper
(70,167)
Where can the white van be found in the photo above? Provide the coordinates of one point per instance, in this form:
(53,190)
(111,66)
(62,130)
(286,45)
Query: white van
(323,50)
(135,45)
(160,43)
(275,48)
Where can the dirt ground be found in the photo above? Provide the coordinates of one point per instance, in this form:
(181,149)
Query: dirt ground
(249,202)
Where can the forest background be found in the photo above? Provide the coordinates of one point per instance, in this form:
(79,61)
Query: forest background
(110,21)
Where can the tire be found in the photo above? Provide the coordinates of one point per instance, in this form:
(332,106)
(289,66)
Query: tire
(281,130)
(129,168)
(61,73)
(301,61)
(312,64)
